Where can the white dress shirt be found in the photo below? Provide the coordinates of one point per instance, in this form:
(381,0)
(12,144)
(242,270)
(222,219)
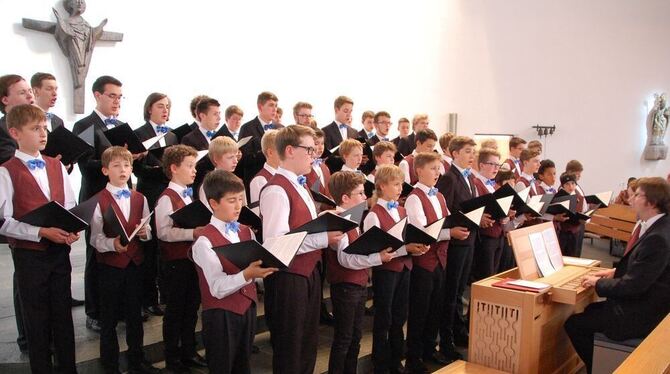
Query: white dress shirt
(257,184)
(372,220)
(343,130)
(467,180)
(645,225)
(547,188)
(161,142)
(20,230)
(98,238)
(263,123)
(165,229)
(489,188)
(347,168)
(404,166)
(448,159)
(275,210)
(416,215)
(204,133)
(220,284)
(351,261)
(104,118)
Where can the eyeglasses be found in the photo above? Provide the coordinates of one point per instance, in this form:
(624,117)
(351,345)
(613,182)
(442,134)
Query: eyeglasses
(497,166)
(310,150)
(352,194)
(114,97)
(383,123)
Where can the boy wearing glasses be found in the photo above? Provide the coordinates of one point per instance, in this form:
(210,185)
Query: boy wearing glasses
(425,142)
(293,296)
(302,113)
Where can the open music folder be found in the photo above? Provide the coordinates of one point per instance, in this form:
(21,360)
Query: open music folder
(328,221)
(375,239)
(193,215)
(53,214)
(114,222)
(69,146)
(275,252)
(123,135)
(469,220)
(424,235)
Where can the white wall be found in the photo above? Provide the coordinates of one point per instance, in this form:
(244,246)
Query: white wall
(588,67)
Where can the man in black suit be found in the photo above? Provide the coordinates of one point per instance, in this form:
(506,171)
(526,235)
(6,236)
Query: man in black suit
(302,113)
(382,125)
(208,113)
(14,90)
(108,95)
(457,186)
(252,155)
(368,130)
(45,89)
(406,145)
(638,289)
(403,131)
(340,129)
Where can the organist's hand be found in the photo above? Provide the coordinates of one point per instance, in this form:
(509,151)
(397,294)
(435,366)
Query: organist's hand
(590,281)
(607,274)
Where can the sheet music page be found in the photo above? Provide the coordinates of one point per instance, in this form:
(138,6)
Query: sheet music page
(540,254)
(285,247)
(151,141)
(476,215)
(529,284)
(201,154)
(142,223)
(523,194)
(553,248)
(536,206)
(242,142)
(434,228)
(605,197)
(397,229)
(567,260)
(505,203)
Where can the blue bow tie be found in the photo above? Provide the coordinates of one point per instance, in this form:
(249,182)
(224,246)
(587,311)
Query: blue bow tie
(391,205)
(269,126)
(36,163)
(532,180)
(49,115)
(342,126)
(517,162)
(552,190)
(466,172)
(432,191)
(111,122)
(317,162)
(162,129)
(122,194)
(210,133)
(302,180)
(371,134)
(188,191)
(385,139)
(491,182)
(233,226)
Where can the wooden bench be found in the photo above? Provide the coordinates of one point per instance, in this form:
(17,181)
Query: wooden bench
(652,356)
(615,222)
(464,367)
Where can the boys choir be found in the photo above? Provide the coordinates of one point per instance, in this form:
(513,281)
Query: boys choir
(418,284)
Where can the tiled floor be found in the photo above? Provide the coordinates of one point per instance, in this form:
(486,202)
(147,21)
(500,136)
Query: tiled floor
(87,342)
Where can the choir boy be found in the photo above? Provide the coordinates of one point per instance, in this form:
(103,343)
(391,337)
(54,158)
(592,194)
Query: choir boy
(208,113)
(516,145)
(425,142)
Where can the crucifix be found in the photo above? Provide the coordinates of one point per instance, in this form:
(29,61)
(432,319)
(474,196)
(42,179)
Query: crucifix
(76,38)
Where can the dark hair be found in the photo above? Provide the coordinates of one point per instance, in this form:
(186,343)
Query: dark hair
(568,177)
(175,155)
(528,154)
(101,82)
(7,81)
(544,165)
(515,141)
(219,182)
(656,191)
(194,103)
(24,114)
(574,166)
(233,109)
(504,175)
(151,100)
(37,78)
(204,104)
(343,182)
(381,114)
(266,96)
(424,135)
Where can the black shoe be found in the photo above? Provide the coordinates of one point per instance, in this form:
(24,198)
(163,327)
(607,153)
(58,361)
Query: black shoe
(461,340)
(176,367)
(397,369)
(438,358)
(76,302)
(155,310)
(23,347)
(449,352)
(255,349)
(326,317)
(370,310)
(145,315)
(93,324)
(196,361)
(144,367)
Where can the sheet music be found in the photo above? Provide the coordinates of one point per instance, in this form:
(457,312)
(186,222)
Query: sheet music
(434,228)
(540,254)
(201,154)
(476,215)
(286,246)
(151,141)
(605,197)
(529,284)
(397,229)
(536,206)
(142,223)
(567,260)
(523,194)
(505,203)
(242,142)
(553,248)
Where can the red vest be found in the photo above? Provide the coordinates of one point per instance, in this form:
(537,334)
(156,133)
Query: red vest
(264,173)
(446,166)
(527,184)
(134,253)
(239,301)
(496,230)
(385,223)
(174,250)
(339,274)
(513,168)
(412,174)
(302,264)
(573,227)
(438,251)
(312,177)
(28,195)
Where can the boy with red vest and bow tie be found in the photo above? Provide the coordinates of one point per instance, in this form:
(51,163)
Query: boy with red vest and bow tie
(568,232)
(425,142)
(119,266)
(41,254)
(516,146)
(426,205)
(390,281)
(269,168)
(228,293)
(179,276)
(293,297)
(348,278)
(319,171)
(383,154)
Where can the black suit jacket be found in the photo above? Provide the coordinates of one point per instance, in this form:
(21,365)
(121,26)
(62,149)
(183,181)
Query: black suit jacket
(90,166)
(406,145)
(455,190)
(223,131)
(7,144)
(638,297)
(56,122)
(333,138)
(196,139)
(252,154)
(151,180)
(396,141)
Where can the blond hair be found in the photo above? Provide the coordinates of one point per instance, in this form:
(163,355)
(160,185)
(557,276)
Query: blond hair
(268,141)
(417,118)
(114,152)
(347,146)
(386,174)
(424,158)
(220,146)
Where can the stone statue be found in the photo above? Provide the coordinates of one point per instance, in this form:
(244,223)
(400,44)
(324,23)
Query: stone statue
(76,39)
(657,126)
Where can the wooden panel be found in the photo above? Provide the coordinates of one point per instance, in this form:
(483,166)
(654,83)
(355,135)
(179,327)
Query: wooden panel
(613,223)
(618,211)
(498,331)
(652,356)
(463,367)
(605,231)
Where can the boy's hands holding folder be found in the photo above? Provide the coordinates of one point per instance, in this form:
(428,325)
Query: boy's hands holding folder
(460,233)
(143,232)
(416,249)
(54,234)
(334,237)
(486,221)
(118,246)
(386,255)
(254,270)
(197,232)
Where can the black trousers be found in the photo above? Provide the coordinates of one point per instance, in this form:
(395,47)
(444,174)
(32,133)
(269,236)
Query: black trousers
(487,255)
(459,263)
(391,296)
(91,295)
(120,289)
(150,269)
(426,294)
(181,309)
(292,304)
(581,328)
(43,280)
(507,260)
(18,314)
(580,239)
(228,338)
(348,308)
(568,242)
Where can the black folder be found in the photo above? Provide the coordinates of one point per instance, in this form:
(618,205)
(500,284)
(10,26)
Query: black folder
(326,222)
(319,197)
(369,188)
(182,131)
(417,235)
(123,135)
(63,142)
(244,253)
(249,218)
(355,213)
(490,204)
(88,135)
(158,152)
(602,198)
(373,241)
(398,157)
(406,189)
(460,219)
(110,218)
(86,209)
(192,215)
(52,214)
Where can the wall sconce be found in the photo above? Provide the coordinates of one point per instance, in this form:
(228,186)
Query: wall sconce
(544,130)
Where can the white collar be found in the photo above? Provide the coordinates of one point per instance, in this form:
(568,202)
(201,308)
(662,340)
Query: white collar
(447,159)
(263,123)
(383,202)
(269,168)
(176,187)
(528,177)
(422,187)
(347,168)
(291,176)
(102,116)
(647,224)
(24,157)
(113,189)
